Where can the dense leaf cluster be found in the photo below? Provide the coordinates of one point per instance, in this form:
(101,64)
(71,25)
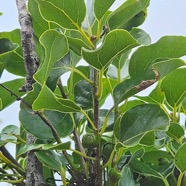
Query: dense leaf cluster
(138,140)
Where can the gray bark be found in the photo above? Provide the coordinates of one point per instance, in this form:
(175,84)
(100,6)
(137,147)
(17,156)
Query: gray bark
(34,173)
(27,41)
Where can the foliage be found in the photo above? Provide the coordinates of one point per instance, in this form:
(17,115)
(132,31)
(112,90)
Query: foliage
(138,140)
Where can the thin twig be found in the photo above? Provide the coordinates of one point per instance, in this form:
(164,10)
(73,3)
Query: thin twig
(11,158)
(41,115)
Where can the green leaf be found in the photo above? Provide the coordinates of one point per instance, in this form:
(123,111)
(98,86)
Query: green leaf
(40,25)
(13,85)
(63,123)
(127,178)
(12,59)
(6,45)
(166,47)
(139,120)
(148,139)
(55,45)
(129,104)
(156,157)
(126,12)
(9,133)
(1,105)
(43,147)
(101,7)
(67,13)
(76,45)
(180,160)
(174,87)
(52,159)
(121,41)
(156,96)
(175,131)
(48,100)
(135,21)
(167,66)
(161,171)
(83,94)
(141,36)
(58,70)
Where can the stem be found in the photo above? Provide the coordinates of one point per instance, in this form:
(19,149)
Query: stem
(90,121)
(165,182)
(61,88)
(180,179)
(100,85)
(174,113)
(54,132)
(11,177)
(82,154)
(11,159)
(80,73)
(7,161)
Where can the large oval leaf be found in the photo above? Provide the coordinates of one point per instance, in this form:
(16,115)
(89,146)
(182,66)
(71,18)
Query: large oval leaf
(139,120)
(67,13)
(101,7)
(180,160)
(174,86)
(125,12)
(47,100)
(55,45)
(33,124)
(145,56)
(13,85)
(116,42)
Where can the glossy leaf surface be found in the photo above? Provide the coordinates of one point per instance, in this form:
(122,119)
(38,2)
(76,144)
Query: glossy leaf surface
(139,120)
(116,42)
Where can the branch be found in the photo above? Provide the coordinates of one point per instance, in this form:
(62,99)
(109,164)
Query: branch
(34,173)
(28,45)
(41,115)
(11,159)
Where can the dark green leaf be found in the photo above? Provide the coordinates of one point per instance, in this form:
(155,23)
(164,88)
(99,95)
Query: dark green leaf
(145,56)
(126,12)
(49,101)
(139,120)
(180,160)
(6,97)
(127,178)
(101,6)
(136,20)
(167,66)
(55,45)
(43,147)
(141,36)
(161,171)
(83,94)
(40,25)
(63,123)
(67,13)
(120,40)
(52,159)
(148,139)
(157,157)
(174,86)
(175,131)
(9,133)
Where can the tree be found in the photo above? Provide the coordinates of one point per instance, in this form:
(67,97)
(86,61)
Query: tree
(64,128)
